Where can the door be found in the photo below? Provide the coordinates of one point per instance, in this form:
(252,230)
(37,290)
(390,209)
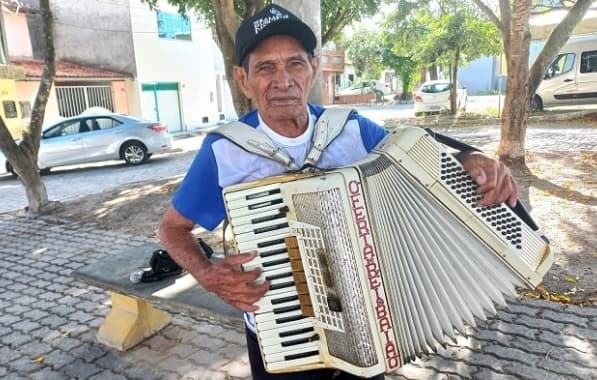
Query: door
(559,86)
(103,140)
(161,102)
(62,144)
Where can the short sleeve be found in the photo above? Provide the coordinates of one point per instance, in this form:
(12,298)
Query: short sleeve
(199,197)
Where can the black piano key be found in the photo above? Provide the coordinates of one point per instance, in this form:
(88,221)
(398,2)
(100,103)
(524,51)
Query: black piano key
(270,228)
(262,194)
(289,319)
(275,262)
(264,244)
(278,276)
(277,301)
(301,355)
(294,342)
(284,334)
(266,218)
(281,285)
(273,252)
(257,206)
(285,309)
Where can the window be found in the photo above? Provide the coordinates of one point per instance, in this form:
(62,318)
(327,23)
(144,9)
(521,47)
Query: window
(10,109)
(105,122)
(25,108)
(337,60)
(173,26)
(70,127)
(588,62)
(324,59)
(561,65)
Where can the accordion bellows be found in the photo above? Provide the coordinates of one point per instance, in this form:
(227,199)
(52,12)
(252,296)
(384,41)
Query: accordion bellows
(373,265)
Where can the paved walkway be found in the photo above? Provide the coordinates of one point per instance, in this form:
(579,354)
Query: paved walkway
(48,323)
(48,320)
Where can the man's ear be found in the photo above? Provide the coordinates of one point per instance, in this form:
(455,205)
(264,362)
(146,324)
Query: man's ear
(240,75)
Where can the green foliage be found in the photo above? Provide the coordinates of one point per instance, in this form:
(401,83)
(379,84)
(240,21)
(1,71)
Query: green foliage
(366,53)
(441,32)
(335,14)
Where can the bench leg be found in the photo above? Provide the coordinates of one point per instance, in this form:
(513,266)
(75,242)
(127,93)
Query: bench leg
(129,322)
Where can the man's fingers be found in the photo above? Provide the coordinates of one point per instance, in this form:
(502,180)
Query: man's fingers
(239,259)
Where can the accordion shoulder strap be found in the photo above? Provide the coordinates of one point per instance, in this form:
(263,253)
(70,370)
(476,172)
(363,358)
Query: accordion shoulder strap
(329,125)
(255,142)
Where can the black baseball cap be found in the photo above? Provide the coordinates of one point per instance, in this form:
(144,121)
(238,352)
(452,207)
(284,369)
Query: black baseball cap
(271,21)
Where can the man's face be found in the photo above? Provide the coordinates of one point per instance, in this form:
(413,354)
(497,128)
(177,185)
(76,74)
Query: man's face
(278,80)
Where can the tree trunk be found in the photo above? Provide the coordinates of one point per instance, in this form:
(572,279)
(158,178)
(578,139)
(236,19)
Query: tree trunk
(227,23)
(23,157)
(515,114)
(454,81)
(310,12)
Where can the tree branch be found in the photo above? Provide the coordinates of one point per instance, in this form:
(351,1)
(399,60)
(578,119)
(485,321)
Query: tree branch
(489,13)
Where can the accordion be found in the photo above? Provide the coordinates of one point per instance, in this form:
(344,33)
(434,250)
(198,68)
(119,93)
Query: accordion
(376,264)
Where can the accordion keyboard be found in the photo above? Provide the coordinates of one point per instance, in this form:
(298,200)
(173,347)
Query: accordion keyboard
(260,224)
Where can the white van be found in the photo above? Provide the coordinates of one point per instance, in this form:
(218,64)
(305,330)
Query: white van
(571,79)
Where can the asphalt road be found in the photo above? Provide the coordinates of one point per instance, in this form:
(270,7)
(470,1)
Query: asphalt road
(67,183)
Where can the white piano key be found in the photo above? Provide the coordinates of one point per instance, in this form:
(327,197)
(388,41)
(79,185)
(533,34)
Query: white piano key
(280,341)
(295,350)
(280,365)
(243,194)
(272,324)
(267,300)
(258,262)
(277,223)
(269,307)
(254,218)
(248,243)
(288,330)
(265,317)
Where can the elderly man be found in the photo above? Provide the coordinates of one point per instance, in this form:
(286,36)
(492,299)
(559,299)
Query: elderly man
(276,69)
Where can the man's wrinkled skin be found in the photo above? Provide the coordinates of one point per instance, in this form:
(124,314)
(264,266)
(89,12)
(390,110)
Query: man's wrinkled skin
(278,80)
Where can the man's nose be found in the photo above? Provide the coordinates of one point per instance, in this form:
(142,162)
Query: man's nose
(283,79)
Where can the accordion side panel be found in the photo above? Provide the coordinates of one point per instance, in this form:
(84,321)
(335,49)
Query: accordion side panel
(498,226)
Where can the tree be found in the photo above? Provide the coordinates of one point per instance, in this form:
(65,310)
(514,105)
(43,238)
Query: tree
(444,32)
(23,156)
(513,24)
(365,51)
(225,16)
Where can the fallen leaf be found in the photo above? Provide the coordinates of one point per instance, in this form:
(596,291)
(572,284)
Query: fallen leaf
(38,360)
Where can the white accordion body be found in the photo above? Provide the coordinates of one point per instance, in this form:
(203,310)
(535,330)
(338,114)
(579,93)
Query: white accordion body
(373,265)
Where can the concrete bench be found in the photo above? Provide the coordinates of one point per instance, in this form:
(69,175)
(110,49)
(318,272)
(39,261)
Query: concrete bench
(134,315)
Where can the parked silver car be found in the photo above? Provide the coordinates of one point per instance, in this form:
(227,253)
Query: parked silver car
(98,137)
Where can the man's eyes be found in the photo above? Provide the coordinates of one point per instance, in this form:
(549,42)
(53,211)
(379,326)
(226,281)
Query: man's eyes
(270,68)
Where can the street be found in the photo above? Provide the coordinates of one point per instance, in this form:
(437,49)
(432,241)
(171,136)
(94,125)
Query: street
(67,183)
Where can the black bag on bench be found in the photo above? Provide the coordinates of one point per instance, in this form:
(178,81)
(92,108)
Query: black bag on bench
(161,265)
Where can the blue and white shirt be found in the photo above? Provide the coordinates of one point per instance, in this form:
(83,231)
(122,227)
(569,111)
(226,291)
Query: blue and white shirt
(221,163)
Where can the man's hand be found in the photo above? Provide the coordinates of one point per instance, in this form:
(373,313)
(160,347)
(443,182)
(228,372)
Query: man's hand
(496,184)
(229,282)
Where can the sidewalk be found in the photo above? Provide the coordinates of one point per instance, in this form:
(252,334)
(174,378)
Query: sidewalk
(48,323)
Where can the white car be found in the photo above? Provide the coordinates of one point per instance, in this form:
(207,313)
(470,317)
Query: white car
(98,137)
(367,87)
(434,97)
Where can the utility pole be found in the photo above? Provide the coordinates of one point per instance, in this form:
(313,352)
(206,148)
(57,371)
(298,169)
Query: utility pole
(310,12)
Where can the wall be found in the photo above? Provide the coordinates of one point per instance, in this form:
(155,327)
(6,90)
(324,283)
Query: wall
(94,33)
(188,63)
(478,75)
(17,35)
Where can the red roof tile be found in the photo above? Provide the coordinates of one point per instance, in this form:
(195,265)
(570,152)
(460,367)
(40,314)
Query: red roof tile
(66,70)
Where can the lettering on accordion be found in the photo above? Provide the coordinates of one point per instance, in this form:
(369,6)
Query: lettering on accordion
(384,324)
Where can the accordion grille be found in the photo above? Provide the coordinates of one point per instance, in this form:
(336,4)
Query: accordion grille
(324,210)
(436,273)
